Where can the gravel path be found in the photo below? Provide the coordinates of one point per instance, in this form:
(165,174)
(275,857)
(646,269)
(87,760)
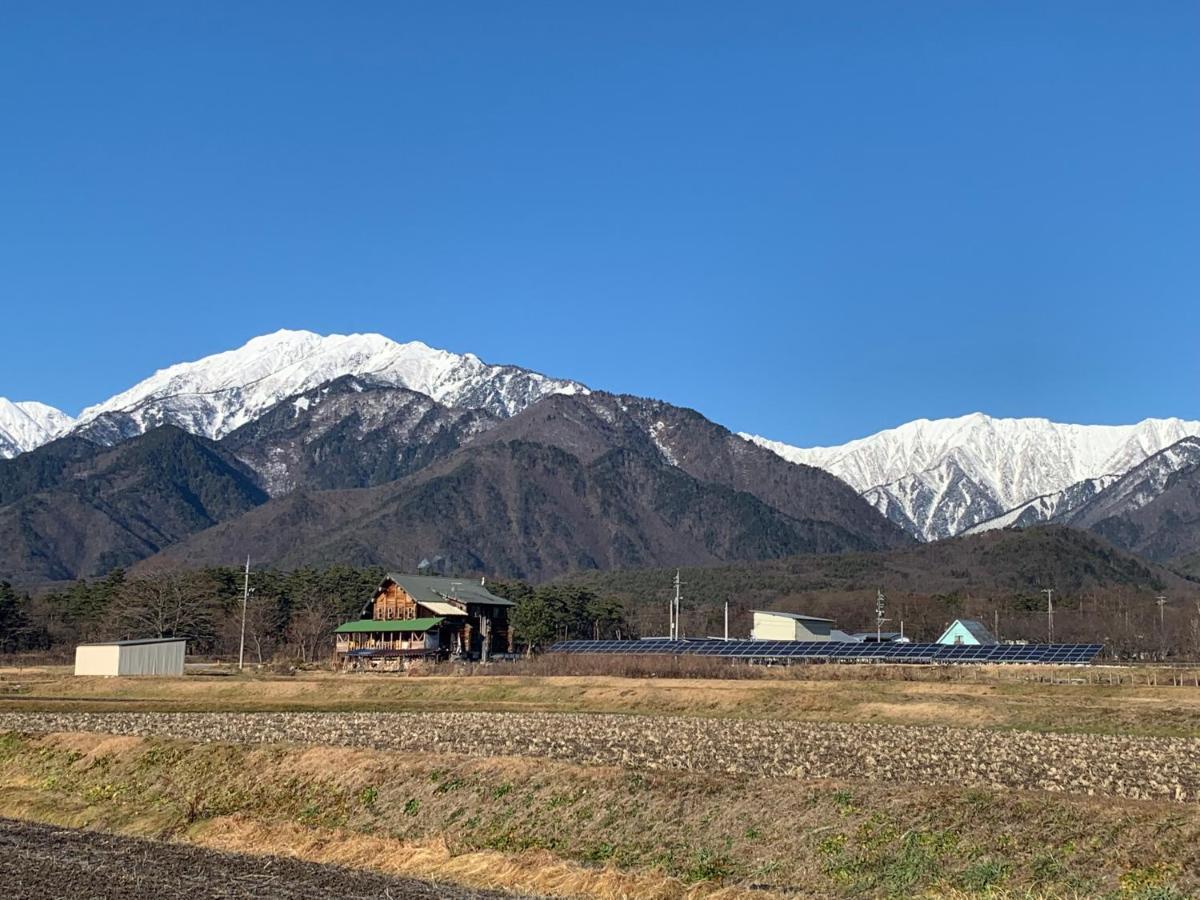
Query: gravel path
(43,861)
(1138,768)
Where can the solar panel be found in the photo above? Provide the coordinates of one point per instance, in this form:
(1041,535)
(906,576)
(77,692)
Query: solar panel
(841,651)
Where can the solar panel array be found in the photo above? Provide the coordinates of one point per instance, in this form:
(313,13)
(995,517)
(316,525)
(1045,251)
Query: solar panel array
(842,651)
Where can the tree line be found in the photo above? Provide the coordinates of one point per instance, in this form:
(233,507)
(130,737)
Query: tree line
(292,614)
(289,615)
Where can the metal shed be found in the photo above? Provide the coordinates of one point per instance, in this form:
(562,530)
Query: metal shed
(149,656)
(771,625)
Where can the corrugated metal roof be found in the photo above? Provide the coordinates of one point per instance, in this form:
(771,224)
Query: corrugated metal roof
(435,589)
(442,609)
(362,626)
(130,643)
(800,616)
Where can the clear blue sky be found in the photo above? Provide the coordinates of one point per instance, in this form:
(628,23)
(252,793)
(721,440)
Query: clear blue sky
(809,220)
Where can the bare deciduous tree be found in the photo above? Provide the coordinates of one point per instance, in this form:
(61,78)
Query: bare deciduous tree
(264,628)
(310,631)
(163,605)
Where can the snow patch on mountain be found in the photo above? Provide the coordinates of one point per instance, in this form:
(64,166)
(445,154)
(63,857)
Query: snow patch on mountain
(1048,507)
(28,424)
(656,435)
(217,394)
(1140,485)
(941,477)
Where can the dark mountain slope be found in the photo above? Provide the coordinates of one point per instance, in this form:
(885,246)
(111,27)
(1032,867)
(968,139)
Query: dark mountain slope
(590,425)
(520,509)
(1001,563)
(45,468)
(72,509)
(349,433)
(1153,509)
(573,482)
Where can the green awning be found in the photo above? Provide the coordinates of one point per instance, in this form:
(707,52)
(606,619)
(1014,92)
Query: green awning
(366,626)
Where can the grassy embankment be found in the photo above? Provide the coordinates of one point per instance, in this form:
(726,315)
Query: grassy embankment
(554,827)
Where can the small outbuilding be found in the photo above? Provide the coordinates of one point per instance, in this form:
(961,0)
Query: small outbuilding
(149,656)
(967,631)
(770,625)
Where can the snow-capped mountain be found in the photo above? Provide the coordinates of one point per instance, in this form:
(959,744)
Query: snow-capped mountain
(28,424)
(1049,507)
(217,394)
(938,478)
(351,432)
(1140,486)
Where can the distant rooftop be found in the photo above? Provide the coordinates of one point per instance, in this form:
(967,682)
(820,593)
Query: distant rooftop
(975,628)
(437,588)
(800,616)
(130,643)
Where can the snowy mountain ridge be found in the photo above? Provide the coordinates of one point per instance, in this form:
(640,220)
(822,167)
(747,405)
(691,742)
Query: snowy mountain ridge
(28,424)
(217,394)
(938,478)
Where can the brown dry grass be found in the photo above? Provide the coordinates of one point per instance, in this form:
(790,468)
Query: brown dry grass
(535,872)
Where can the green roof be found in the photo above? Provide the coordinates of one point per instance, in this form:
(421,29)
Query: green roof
(382,625)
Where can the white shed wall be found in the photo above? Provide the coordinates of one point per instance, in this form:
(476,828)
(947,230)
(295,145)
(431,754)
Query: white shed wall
(770,627)
(99,659)
(773,628)
(157,658)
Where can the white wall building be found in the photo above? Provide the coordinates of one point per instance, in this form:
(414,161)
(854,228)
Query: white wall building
(782,626)
(151,656)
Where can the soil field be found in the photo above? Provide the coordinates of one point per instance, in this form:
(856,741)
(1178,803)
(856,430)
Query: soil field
(1105,765)
(44,861)
(992,698)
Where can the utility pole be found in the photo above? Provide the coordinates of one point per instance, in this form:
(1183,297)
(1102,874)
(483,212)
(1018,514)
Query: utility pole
(675,630)
(245,603)
(726,620)
(485,638)
(671,614)
(1162,621)
(880,609)
(1049,592)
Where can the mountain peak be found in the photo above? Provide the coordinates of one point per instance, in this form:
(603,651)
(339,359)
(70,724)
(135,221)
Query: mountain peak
(939,477)
(214,395)
(26,424)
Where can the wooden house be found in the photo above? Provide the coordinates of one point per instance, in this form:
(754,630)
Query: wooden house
(424,617)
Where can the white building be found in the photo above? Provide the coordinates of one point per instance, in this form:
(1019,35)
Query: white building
(781,626)
(150,656)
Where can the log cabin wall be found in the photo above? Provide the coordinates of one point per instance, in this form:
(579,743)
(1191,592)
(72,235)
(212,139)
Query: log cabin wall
(394,603)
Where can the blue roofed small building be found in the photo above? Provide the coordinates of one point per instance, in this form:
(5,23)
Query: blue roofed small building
(970,632)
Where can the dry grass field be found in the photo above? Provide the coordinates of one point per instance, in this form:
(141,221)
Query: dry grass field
(1026,699)
(828,783)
